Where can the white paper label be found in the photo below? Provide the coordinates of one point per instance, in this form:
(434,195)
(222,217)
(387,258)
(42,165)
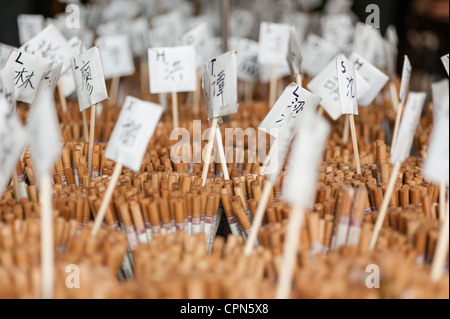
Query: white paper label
(337,29)
(51,77)
(347,85)
(304,162)
(408,125)
(326,85)
(27,71)
(292,105)
(247,59)
(115,52)
(294,56)
(88,78)
(406,76)
(440,93)
(366,42)
(374,77)
(273,43)
(172,69)
(317,54)
(134,128)
(198,38)
(242,23)
(444,60)
(48,44)
(5,51)
(220,85)
(44,133)
(29,25)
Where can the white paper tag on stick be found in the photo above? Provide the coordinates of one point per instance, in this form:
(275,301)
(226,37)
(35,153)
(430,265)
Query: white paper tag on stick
(317,54)
(29,25)
(293,105)
(172,69)
(116,55)
(247,59)
(198,37)
(406,76)
(408,125)
(294,56)
(444,60)
(88,78)
(303,165)
(219,81)
(325,84)
(47,44)
(440,93)
(273,43)
(374,77)
(347,85)
(134,128)
(26,70)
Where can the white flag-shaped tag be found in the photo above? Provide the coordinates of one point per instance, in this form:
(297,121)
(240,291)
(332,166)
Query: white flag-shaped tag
(51,77)
(242,23)
(43,132)
(317,54)
(408,125)
(13,137)
(294,56)
(5,51)
(374,77)
(27,71)
(247,59)
(47,44)
(444,60)
(406,76)
(172,69)
(198,37)
(88,78)
(300,21)
(273,43)
(116,56)
(440,93)
(29,25)
(76,47)
(325,84)
(293,105)
(366,42)
(220,85)
(347,85)
(303,165)
(134,128)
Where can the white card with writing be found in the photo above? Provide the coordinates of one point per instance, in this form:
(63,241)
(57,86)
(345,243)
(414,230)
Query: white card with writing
(51,77)
(406,76)
(88,78)
(247,59)
(134,128)
(172,69)
(47,44)
(273,43)
(408,125)
(325,84)
(347,85)
(304,162)
(436,163)
(366,42)
(219,82)
(444,60)
(115,52)
(5,51)
(242,23)
(27,71)
(292,105)
(198,37)
(317,53)
(374,77)
(294,56)
(29,25)
(44,133)
(440,93)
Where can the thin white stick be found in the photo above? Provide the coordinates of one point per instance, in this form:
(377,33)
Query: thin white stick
(346,130)
(384,205)
(273,85)
(289,253)
(222,154)
(47,253)
(397,125)
(106,199)
(209,147)
(114,89)
(299,79)
(320,110)
(144,76)
(85,126)
(442,201)
(274,146)
(91,139)
(257,220)
(438,265)
(175,110)
(355,143)
(394,95)
(62,98)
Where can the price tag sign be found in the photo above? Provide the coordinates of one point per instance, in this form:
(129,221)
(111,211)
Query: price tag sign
(317,54)
(88,78)
(134,128)
(172,69)
(220,85)
(116,56)
(273,43)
